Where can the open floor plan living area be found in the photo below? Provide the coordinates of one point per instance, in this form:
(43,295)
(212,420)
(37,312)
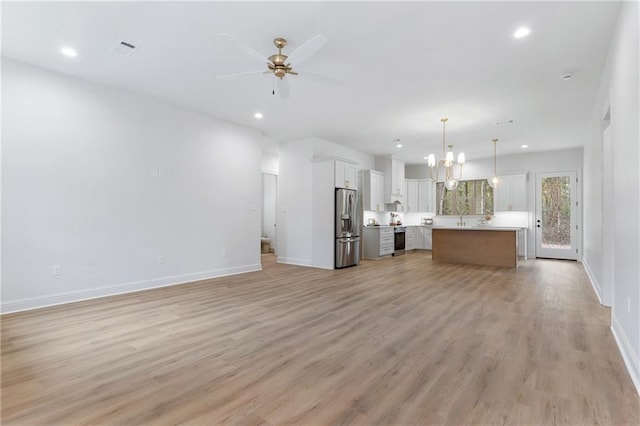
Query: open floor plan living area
(320,213)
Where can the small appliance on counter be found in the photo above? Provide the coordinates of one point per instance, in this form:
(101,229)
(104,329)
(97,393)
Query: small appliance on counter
(427,221)
(395,219)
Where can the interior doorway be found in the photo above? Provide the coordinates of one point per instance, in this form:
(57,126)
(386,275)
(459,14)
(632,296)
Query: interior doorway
(269,212)
(556,218)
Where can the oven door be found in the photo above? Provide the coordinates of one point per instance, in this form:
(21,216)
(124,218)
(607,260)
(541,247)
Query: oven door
(398,243)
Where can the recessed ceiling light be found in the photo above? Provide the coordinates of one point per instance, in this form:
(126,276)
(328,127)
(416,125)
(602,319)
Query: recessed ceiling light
(522,32)
(524,146)
(68,51)
(258,115)
(398,145)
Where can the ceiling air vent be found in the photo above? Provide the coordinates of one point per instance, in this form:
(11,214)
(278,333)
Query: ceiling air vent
(124,48)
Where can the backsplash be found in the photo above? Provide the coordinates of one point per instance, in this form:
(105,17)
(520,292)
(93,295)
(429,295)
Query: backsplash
(384,218)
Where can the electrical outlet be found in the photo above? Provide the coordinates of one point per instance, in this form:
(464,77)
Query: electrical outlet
(224,253)
(154,172)
(160,260)
(57,270)
(254,207)
(628,304)
(160,172)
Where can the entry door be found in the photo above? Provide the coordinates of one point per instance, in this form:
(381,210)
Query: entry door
(556,215)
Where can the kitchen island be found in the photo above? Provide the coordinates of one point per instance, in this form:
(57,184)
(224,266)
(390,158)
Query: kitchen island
(491,246)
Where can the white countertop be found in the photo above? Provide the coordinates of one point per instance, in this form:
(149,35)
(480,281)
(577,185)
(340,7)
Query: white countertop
(396,226)
(477,228)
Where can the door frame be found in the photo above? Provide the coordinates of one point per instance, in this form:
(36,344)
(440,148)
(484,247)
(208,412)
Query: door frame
(576,217)
(274,239)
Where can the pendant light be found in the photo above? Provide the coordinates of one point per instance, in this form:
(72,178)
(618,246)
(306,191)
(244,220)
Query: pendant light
(494,182)
(450,182)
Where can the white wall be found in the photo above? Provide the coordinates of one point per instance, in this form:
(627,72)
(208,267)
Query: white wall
(78,190)
(270,163)
(295,202)
(621,90)
(306,188)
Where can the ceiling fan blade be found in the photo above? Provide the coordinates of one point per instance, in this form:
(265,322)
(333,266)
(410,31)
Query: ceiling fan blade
(238,74)
(283,87)
(307,50)
(248,50)
(322,78)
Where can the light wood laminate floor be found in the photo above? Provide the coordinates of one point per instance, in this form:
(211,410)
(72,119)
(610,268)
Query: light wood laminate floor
(398,341)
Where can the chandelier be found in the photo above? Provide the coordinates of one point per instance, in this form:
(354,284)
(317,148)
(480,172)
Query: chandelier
(447,163)
(494,182)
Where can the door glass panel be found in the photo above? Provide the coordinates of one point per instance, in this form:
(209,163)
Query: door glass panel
(556,212)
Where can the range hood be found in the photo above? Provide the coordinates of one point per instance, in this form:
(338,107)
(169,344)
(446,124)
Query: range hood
(396,206)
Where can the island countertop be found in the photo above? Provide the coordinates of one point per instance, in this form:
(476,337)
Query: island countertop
(478,228)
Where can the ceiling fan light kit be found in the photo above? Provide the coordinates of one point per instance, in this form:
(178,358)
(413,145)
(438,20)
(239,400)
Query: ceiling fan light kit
(277,63)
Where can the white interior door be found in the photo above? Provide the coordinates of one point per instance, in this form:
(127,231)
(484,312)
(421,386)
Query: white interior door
(556,215)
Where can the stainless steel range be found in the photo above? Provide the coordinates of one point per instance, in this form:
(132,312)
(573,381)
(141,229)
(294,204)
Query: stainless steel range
(398,239)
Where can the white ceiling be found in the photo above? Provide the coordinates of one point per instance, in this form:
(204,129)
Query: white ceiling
(404,66)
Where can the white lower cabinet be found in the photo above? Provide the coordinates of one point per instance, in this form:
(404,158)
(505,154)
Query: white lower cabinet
(378,241)
(410,238)
(426,237)
(421,238)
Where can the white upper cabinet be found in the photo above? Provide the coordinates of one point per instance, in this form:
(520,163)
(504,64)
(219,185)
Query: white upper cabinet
(412,196)
(394,183)
(345,175)
(372,190)
(426,196)
(511,195)
(419,195)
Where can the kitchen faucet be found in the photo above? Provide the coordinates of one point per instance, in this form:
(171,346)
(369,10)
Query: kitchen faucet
(461,223)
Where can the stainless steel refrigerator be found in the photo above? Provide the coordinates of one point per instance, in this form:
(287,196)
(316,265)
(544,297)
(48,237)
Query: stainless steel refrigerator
(347,228)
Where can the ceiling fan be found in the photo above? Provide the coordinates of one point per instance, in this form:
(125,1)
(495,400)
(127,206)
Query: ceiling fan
(280,65)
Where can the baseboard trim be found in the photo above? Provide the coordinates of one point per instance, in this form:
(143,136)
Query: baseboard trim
(39,302)
(294,261)
(594,282)
(630,358)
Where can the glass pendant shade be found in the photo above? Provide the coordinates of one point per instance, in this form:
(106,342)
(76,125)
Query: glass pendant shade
(445,165)
(494,182)
(449,158)
(451,184)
